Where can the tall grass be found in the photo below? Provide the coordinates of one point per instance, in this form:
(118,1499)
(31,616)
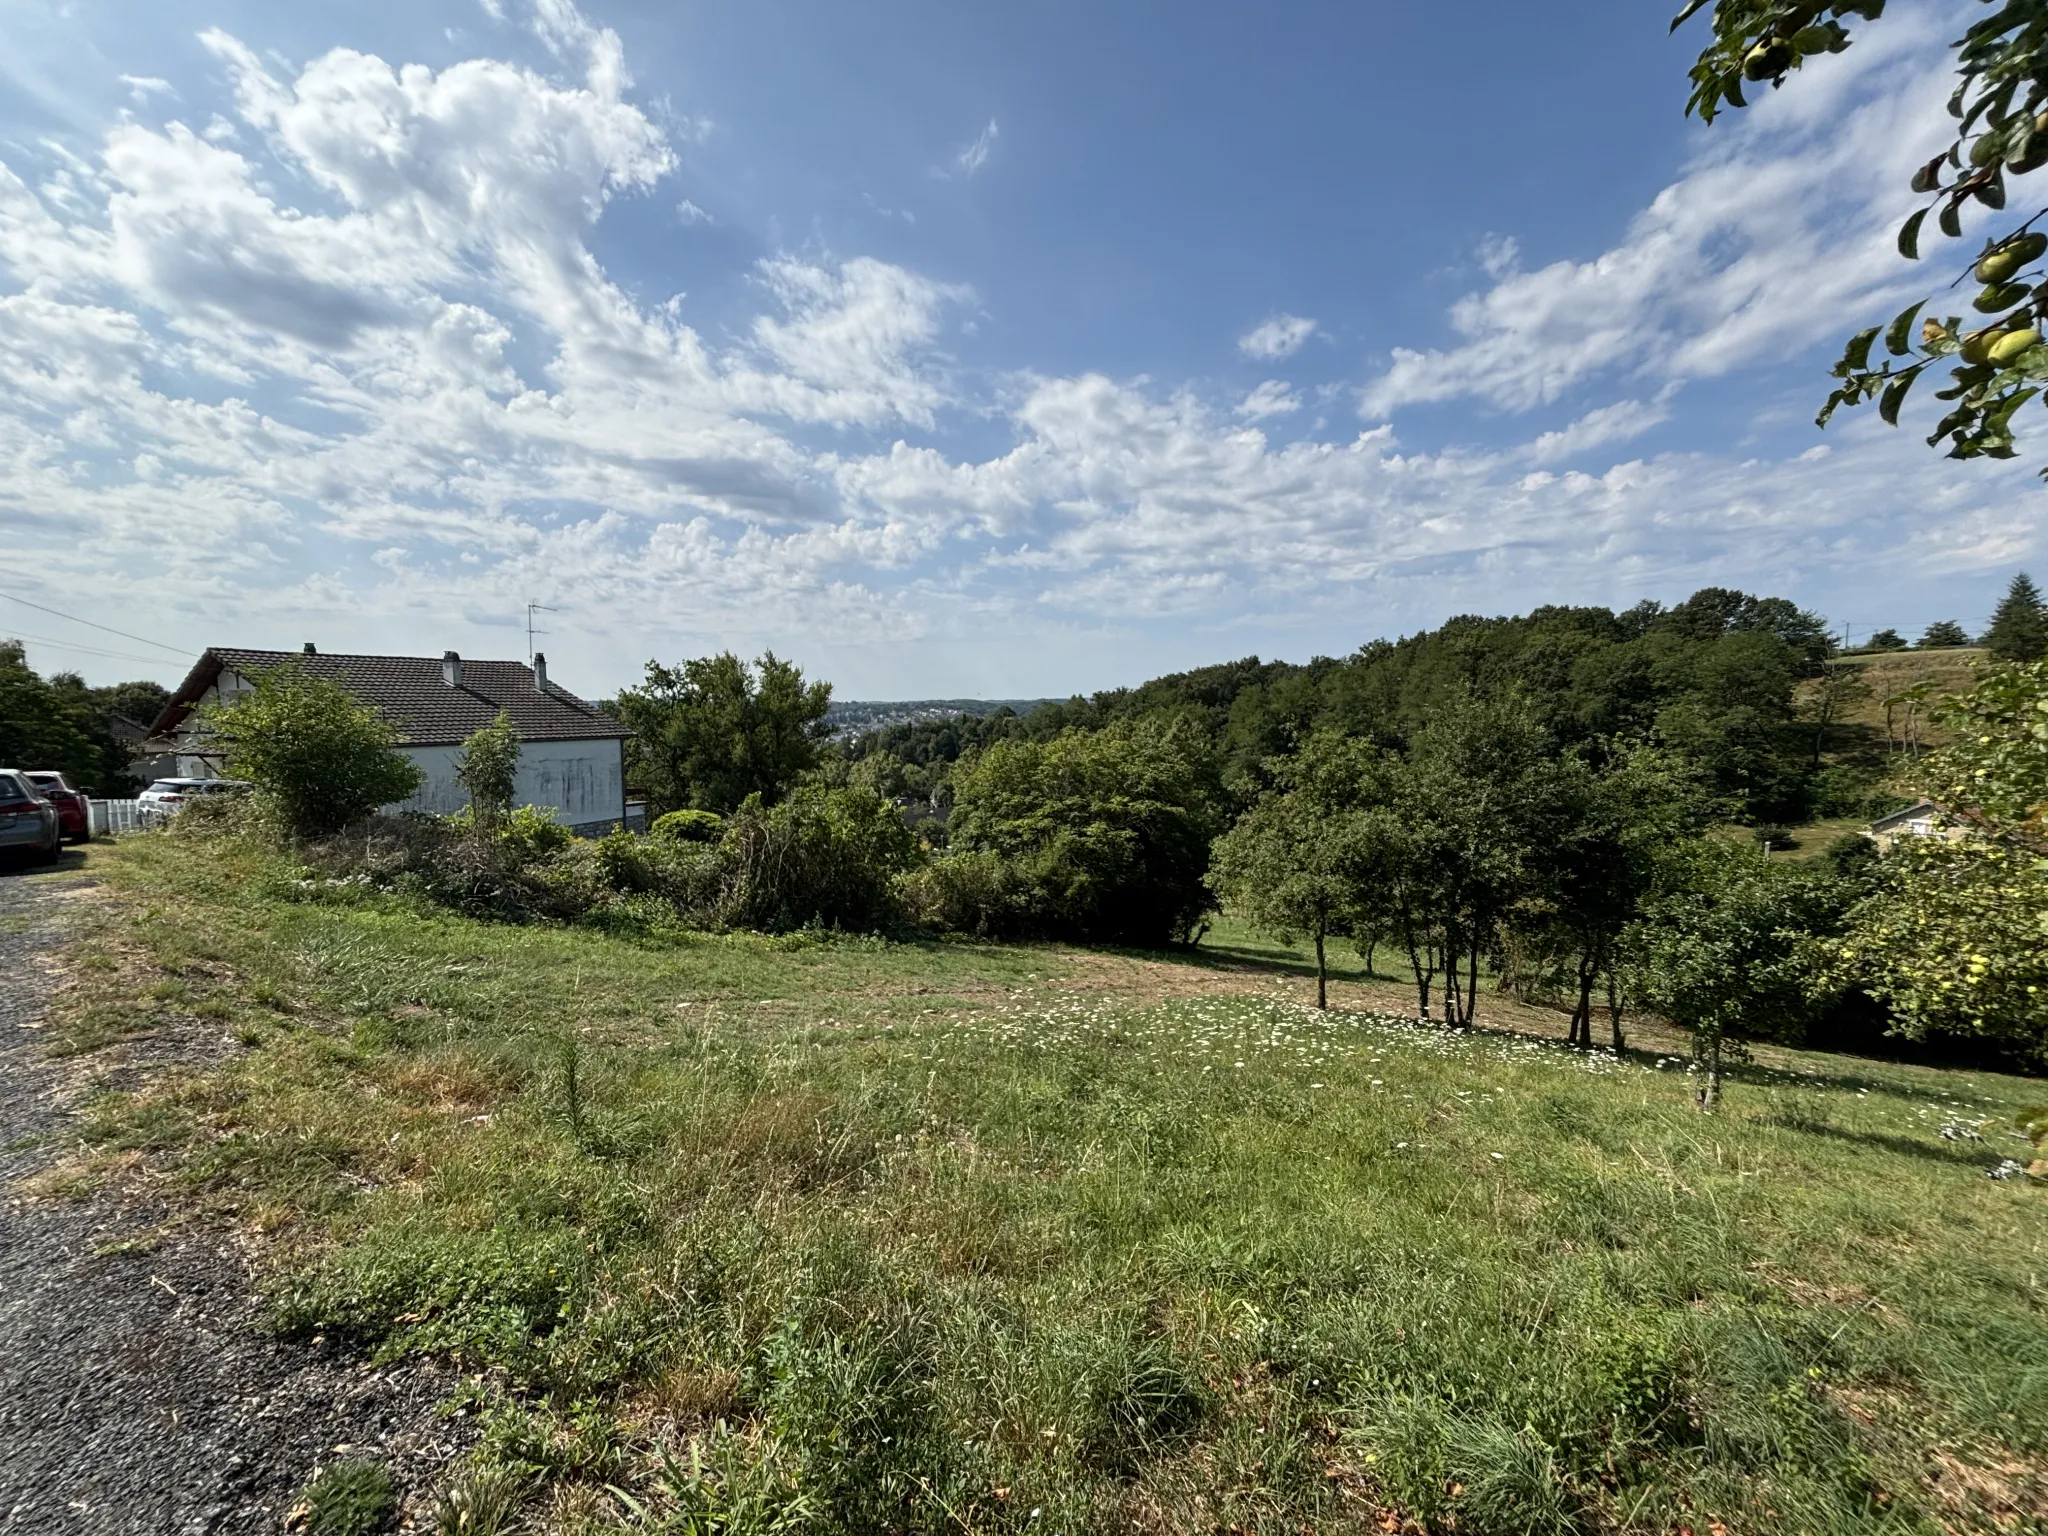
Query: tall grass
(743,1236)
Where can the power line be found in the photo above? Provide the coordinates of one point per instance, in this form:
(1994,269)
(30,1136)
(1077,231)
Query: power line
(88,623)
(82,650)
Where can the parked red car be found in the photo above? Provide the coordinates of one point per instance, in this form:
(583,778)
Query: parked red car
(74,816)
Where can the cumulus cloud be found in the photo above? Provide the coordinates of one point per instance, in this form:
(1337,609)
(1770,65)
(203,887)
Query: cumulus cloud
(1779,235)
(1281,336)
(358,363)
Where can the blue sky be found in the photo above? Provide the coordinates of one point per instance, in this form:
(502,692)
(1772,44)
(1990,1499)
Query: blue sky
(948,350)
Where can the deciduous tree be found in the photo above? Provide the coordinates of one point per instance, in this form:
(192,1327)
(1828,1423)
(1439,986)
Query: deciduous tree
(320,755)
(1108,830)
(1294,864)
(1725,949)
(488,767)
(1955,937)
(41,725)
(715,730)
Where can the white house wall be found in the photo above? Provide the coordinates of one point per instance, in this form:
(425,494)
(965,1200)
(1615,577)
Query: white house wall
(576,782)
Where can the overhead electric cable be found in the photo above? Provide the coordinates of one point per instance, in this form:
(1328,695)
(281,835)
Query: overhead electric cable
(83,650)
(89,624)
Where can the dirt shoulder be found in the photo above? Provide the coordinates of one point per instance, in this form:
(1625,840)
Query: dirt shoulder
(138,1390)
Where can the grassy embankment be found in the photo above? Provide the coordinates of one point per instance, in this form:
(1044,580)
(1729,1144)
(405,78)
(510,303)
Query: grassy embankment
(1882,742)
(749,1236)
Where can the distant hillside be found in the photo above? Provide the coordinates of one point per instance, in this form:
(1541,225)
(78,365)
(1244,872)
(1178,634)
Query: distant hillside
(854,717)
(1891,675)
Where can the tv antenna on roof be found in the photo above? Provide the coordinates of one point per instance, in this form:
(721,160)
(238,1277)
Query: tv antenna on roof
(531,610)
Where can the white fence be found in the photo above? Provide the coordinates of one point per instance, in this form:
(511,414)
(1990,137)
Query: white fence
(112,817)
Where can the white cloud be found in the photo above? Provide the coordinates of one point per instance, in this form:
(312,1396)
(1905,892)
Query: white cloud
(142,87)
(692,214)
(1616,423)
(975,155)
(359,371)
(1281,336)
(1499,255)
(1272,398)
(1779,235)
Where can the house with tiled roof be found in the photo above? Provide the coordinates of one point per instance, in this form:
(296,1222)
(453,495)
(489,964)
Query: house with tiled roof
(572,754)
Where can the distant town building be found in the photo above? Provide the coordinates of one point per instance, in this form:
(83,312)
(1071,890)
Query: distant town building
(1923,818)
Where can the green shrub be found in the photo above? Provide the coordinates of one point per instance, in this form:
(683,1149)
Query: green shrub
(1840,791)
(688,827)
(981,893)
(530,834)
(620,862)
(1109,831)
(826,858)
(319,754)
(350,1498)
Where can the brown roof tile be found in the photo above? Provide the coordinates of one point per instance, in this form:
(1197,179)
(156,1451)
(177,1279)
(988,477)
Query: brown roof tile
(409,692)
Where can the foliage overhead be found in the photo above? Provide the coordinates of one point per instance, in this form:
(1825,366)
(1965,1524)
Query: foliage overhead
(2000,107)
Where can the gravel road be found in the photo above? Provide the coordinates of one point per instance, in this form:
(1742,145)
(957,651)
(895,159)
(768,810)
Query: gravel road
(139,1392)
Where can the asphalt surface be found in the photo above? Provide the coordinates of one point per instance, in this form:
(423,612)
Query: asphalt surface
(139,1390)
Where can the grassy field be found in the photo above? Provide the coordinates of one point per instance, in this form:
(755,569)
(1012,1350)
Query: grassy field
(746,1236)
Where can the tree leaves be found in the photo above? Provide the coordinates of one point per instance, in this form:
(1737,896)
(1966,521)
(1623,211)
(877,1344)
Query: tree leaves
(1894,397)
(1909,236)
(2000,108)
(1692,8)
(1898,335)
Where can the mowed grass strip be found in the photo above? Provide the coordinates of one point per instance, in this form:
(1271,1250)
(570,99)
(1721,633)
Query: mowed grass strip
(742,1235)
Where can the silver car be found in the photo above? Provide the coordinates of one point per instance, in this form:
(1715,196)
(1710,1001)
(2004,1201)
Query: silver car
(28,822)
(166,796)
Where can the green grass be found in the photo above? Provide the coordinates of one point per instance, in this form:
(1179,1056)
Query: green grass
(747,1236)
(350,1498)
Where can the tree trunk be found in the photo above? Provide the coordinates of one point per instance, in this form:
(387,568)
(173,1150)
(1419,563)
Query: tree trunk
(1422,976)
(1472,981)
(1824,714)
(1322,972)
(1582,1016)
(1450,988)
(1614,1013)
(1708,1095)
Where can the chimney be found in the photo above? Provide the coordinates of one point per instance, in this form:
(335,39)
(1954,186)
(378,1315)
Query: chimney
(451,669)
(309,649)
(540,673)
